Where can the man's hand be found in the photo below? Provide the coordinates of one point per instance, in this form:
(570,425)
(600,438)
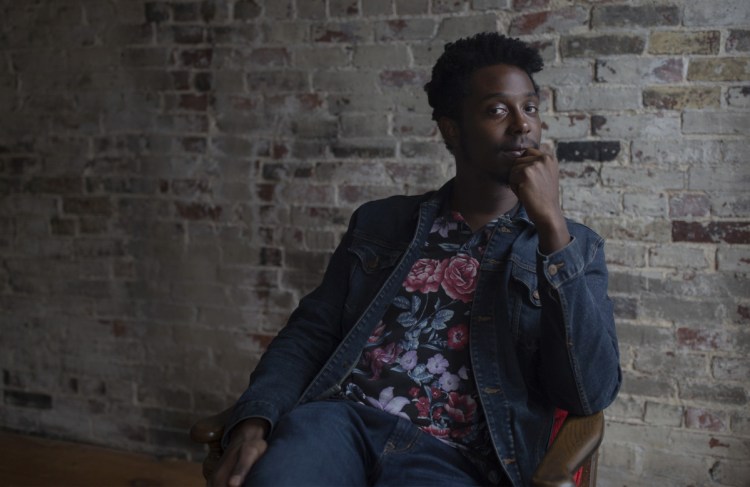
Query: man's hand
(534,180)
(246,445)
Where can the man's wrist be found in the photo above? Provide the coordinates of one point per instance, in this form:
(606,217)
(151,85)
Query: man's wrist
(553,234)
(251,428)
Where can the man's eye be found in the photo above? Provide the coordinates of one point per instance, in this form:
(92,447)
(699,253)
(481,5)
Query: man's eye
(497,110)
(532,109)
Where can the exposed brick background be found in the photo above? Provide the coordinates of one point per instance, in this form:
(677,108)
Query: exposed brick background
(174,175)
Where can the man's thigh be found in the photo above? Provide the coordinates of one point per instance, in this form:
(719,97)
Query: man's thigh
(318,443)
(339,442)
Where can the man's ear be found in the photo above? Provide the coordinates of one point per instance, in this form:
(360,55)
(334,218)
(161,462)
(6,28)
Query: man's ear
(450,132)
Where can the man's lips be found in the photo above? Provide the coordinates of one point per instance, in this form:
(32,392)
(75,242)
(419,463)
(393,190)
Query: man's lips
(513,151)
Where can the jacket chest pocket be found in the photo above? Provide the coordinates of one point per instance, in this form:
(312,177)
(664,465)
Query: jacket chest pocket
(526,304)
(526,315)
(373,263)
(373,258)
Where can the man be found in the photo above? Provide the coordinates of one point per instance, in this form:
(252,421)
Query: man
(449,326)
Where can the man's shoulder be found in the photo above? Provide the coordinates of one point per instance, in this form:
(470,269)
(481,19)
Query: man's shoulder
(393,218)
(398,202)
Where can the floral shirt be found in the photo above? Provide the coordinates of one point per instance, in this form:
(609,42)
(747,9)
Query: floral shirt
(416,363)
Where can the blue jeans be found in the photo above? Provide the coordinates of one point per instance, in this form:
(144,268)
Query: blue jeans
(340,442)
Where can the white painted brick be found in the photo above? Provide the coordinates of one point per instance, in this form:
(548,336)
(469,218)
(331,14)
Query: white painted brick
(639,70)
(720,177)
(606,201)
(570,73)
(733,259)
(717,13)
(680,256)
(645,204)
(663,414)
(674,151)
(729,123)
(638,178)
(597,98)
(659,125)
(572,126)
(738,97)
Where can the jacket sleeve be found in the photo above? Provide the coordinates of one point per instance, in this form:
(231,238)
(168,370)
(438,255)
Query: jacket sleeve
(301,348)
(580,362)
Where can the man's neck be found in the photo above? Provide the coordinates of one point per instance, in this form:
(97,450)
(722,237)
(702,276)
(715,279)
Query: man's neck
(481,200)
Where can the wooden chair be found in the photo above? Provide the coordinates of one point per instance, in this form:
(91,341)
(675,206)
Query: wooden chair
(572,453)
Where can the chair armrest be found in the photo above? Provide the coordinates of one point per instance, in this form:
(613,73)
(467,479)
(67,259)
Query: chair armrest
(209,430)
(577,442)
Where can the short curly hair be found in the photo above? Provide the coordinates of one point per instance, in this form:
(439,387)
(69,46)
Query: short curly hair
(450,75)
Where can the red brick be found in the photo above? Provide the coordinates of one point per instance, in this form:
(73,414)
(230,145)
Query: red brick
(194,102)
(549,21)
(188,34)
(58,185)
(400,78)
(198,211)
(265,191)
(195,58)
(270,256)
(699,339)
(88,206)
(706,420)
(733,232)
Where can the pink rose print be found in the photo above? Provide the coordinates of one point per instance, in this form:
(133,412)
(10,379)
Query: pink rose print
(458,337)
(436,431)
(437,414)
(437,364)
(459,433)
(381,356)
(460,408)
(377,333)
(459,278)
(414,391)
(423,407)
(425,276)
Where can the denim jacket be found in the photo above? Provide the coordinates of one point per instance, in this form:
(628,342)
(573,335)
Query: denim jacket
(542,333)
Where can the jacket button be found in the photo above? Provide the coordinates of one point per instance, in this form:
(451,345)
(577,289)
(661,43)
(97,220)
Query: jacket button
(552,269)
(535,294)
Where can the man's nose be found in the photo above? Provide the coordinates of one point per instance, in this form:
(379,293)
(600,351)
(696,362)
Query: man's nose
(519,124)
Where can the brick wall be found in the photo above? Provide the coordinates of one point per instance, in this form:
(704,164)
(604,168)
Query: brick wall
(174,175)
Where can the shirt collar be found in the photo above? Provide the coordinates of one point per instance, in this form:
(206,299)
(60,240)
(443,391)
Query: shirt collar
(443,196)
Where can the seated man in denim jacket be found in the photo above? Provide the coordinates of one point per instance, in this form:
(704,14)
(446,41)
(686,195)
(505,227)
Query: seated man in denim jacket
(448,327)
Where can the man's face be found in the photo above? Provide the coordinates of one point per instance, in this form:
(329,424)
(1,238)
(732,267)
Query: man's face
(499,120)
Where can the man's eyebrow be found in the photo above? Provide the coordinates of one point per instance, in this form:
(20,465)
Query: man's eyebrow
(501,94)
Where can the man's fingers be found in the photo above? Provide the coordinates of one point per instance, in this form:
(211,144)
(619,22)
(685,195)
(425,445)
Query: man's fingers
(246,458)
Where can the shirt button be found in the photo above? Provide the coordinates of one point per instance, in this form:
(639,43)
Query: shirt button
(535,294)
(552,269)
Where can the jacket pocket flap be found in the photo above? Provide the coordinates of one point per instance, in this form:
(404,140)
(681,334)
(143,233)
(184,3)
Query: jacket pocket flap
(528,279)
(374,257)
